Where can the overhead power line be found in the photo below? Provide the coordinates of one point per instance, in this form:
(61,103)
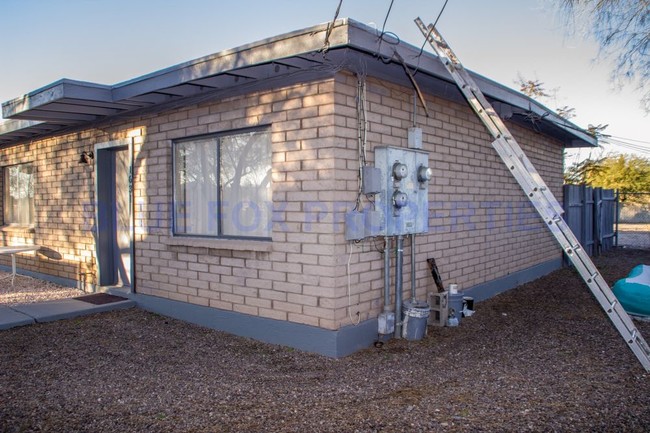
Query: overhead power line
(631,139)
(626,145)
(387,15)
(417,67)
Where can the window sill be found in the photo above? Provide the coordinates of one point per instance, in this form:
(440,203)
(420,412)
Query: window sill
(220,244)
(17,229)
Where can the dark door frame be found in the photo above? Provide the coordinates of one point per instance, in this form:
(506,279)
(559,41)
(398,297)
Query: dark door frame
(104,210)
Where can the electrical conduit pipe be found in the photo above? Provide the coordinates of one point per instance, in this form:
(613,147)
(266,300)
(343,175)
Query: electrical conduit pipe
(399,256)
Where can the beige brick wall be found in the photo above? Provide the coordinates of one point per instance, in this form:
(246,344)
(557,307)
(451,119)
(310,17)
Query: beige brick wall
(2,178)
(476,207)
(293,281)
(63,207)
(481,226)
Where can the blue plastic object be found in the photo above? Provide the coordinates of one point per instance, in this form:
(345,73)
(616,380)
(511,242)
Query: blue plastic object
(633,292)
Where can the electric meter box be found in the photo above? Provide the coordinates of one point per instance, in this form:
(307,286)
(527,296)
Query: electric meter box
(365,224)
(404,200)
(415,138)
(371,180)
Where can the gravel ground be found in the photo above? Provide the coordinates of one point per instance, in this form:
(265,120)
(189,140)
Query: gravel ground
(26,290)
(542,357)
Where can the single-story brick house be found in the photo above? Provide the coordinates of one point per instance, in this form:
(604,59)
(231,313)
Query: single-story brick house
(216,191)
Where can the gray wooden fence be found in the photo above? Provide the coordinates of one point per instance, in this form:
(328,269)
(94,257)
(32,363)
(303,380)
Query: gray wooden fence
(591,215)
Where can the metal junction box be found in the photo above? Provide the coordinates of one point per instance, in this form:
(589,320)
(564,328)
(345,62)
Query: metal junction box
(405,176)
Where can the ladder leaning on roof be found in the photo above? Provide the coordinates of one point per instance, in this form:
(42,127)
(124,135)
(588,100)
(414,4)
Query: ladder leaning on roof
(538,193)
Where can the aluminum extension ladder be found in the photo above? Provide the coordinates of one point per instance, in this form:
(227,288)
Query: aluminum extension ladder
(538,193)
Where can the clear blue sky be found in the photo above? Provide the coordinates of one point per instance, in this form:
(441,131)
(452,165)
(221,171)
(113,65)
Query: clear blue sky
(108,41)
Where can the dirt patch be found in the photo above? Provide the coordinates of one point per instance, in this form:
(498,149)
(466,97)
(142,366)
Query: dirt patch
(542,357)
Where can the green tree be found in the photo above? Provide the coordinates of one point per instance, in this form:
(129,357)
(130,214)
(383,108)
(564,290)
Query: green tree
(622,29)
(580,172)
(626,173)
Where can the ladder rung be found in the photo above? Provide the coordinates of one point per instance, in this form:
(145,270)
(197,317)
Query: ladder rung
(612,306)
(554,219)
(573,249)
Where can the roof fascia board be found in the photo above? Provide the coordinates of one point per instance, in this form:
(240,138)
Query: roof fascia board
(234,91)
(60,89)
(367,39)
(502,93)
(345,33)
(297,43)
(9,126)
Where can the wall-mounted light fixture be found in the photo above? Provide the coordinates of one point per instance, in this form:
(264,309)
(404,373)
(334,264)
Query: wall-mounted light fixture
(86,157)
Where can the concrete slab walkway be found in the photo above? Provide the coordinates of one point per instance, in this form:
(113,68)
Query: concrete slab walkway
(10,318)
(49,311)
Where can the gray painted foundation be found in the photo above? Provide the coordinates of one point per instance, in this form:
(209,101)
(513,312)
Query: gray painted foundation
(492,288)
(335,344)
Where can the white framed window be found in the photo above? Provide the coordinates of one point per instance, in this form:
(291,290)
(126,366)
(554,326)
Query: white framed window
(222,185)
(18,195)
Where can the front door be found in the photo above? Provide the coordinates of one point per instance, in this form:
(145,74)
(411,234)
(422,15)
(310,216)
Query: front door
(113,207)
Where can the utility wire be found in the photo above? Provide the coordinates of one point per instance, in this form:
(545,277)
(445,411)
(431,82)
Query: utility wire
(630,139)
(611,140)
(383,27)
(330,27)
(426,39)
(626,145)
(387,14)
(440,14)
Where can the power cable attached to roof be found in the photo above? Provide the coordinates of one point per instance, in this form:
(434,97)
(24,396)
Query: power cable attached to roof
(330,27)
(428,35)
(383,33)
(415,84)
(383,27)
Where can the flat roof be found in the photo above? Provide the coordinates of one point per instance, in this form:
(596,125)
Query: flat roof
(299,55)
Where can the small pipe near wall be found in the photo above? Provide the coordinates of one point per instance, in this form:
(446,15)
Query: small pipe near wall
(386,274)
(399,256)
(413,267)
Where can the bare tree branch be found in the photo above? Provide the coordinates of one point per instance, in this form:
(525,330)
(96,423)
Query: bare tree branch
(622,28)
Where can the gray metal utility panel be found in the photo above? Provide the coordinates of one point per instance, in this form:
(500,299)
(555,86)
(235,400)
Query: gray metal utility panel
(404,199)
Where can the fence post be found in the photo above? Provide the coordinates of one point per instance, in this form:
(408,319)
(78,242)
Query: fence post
(598,221)
(618,217)
(583,218)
